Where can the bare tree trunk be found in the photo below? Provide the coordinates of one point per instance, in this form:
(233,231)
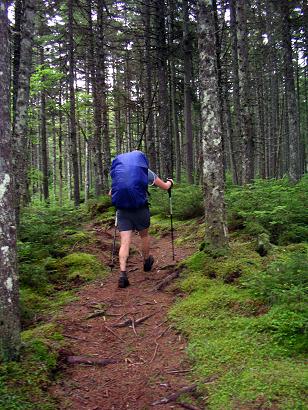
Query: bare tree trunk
(245,108)
(213,160)
(174,114)
(292,107)
(163,106)
(60,152)
(44,137)
(22,104)
(104,91)
(9,302)
(187,49)
(150,137)
(236,96)
(72,118)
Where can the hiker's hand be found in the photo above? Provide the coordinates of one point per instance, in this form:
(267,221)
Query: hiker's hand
(170,180)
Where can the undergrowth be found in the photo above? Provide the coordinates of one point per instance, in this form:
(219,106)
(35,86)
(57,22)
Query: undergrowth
(51,266)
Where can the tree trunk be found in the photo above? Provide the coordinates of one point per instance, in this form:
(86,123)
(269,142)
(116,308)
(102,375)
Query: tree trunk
(9,303)
(104,92)
(163,106)
(174,113)
(236,96)
(213,161)
(44,143)
(292,107)
(150,136)
(72,118)
(22,104)
(244,83)
(187,49)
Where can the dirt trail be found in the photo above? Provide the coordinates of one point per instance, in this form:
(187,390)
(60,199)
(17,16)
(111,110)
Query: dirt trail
(151,362)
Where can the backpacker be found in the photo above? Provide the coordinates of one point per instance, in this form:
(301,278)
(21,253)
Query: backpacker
(129,173)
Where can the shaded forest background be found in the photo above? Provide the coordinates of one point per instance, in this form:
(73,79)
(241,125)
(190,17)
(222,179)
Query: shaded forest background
(109,76)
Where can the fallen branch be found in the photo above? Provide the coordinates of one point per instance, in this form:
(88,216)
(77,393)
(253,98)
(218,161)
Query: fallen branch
(90,360)
(174,396)
(165,282)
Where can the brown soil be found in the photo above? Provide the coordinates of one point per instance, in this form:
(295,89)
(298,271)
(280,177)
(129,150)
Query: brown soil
(151,362)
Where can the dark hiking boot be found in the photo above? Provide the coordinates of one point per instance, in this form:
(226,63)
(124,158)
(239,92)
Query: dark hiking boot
(123,280)
(148,263)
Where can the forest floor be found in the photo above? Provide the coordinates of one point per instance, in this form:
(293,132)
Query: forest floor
(148,361)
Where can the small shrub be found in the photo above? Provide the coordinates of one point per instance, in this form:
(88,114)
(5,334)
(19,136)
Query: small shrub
(284,281)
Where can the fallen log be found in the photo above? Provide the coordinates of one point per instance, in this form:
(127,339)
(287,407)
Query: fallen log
(174,396)
(90,360)
(165,282)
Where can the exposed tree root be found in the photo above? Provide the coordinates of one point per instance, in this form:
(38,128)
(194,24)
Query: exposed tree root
(176,395)
(165,282)
(90,360)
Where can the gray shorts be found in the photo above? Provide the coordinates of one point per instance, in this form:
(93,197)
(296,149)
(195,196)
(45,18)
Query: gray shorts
(133,219)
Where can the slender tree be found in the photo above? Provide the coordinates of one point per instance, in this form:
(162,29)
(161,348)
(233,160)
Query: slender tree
(72,116)
(9,306)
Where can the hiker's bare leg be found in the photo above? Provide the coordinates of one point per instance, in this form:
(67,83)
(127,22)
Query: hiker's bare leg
(145,243)
(126,237)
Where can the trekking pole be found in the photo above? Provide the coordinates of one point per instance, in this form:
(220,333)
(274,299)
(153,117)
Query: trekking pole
(171,221)
(114,241)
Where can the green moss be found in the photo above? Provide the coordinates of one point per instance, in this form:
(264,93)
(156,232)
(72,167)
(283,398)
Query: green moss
(23,384)
(80,265)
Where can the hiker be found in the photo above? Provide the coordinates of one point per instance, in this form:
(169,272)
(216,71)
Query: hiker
(129,191)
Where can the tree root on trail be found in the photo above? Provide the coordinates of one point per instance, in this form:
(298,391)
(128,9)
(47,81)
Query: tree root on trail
(165,282)
(129,321)
(176,395)
(90,360)
(188,406)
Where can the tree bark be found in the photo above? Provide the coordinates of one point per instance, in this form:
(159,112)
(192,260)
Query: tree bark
(213,161)
(22,103)
(163,98)
(187,49)
(72,117)
(9,303)
(244,88)
(292,107)
(150,136)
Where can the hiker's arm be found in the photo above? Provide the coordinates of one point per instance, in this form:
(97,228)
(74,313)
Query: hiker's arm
(163,185)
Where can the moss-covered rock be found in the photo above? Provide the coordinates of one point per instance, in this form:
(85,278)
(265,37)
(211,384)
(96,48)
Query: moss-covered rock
(79,265)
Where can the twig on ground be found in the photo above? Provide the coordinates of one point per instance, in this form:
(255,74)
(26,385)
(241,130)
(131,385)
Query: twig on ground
(162,323)
(111,331)
(174,396)
(147,303)
(157,345)
(133,326)
(90,360)
(171,265)
(144,318)
(178,371)
(75,337)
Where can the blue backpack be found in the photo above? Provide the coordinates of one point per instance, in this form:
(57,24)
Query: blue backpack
(129,173)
